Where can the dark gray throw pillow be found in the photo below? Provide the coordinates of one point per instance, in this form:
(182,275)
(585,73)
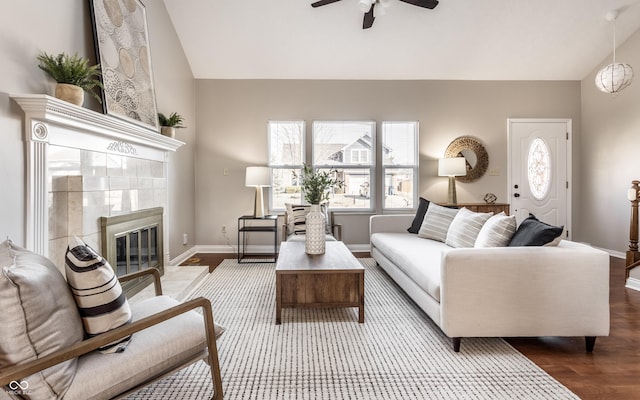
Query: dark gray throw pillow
(533,232)
(417,220)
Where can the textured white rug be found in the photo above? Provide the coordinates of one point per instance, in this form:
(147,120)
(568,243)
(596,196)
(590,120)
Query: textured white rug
(398,353)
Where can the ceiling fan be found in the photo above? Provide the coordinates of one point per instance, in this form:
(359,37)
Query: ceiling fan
(368,7)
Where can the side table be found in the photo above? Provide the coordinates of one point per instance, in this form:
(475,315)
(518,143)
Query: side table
(249,223)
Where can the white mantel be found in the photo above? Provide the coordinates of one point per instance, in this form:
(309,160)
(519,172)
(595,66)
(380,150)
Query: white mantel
(50,121)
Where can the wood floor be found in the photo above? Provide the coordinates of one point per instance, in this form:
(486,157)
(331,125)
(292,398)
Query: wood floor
(612,371)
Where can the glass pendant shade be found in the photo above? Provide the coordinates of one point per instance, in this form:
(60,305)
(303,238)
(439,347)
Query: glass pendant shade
(614,77)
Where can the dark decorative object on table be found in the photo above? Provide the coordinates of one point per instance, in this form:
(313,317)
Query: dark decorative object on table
(490,198)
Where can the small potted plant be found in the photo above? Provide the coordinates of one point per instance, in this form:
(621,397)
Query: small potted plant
(168,125)
(317,186)
(73,75)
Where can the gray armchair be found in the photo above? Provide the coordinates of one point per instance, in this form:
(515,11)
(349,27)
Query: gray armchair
(167,336)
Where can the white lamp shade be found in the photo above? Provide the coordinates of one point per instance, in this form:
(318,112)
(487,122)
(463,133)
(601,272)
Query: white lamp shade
(614,77)
(258,176)
(455,166)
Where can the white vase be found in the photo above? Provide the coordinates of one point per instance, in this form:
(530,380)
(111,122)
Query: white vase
(314,242)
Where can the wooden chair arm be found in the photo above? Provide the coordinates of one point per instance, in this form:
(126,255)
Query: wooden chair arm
(19,371)
(149,271)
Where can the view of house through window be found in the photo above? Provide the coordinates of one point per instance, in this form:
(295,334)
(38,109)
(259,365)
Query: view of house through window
(349,147)
(400,164)
(286,157)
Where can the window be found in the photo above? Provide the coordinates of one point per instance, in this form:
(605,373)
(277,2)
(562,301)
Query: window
(286,156)
(539,169)
(347,147)
(400,164)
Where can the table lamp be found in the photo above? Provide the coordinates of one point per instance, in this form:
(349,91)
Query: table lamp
(258,177)
(452,167)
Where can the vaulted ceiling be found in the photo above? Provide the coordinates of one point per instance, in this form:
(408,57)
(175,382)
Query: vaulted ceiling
(459,39)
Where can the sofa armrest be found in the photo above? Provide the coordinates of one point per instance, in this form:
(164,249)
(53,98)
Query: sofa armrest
(390,223)
(19,371)
(139,274)
(525,291)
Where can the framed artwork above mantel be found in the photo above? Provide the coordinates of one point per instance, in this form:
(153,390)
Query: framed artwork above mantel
(122,49)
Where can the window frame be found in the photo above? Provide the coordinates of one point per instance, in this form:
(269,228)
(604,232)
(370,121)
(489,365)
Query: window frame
(415,167)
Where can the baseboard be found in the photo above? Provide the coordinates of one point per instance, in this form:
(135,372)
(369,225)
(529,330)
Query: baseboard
(183,257)
(613,253)
(633,283)
(255,249)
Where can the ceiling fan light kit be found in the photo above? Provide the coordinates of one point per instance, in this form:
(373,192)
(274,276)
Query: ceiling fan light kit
(376,8)
(615,76)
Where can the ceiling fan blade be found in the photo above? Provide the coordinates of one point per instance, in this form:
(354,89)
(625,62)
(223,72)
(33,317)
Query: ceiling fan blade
(368,18)
(323,3)
(430,4)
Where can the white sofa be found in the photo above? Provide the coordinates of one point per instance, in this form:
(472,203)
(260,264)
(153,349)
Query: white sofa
(497,292)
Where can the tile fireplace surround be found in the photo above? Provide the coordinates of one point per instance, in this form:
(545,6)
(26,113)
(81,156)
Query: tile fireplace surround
(82,165)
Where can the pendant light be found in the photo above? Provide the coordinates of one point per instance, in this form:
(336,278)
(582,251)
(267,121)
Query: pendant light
(616,76)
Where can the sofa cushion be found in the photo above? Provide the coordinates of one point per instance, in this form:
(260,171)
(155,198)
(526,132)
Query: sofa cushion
(497,231)
(423,205)
(39,317)
(102,304)
(533,232)
(150,352)
(465,227)
(436,222)
(419,259)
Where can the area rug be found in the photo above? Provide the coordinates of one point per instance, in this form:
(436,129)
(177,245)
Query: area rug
(398,353)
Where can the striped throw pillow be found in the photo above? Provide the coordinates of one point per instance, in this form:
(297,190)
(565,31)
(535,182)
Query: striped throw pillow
(497,231)
(297,218)
(102,304)
(465,227)
(436,222)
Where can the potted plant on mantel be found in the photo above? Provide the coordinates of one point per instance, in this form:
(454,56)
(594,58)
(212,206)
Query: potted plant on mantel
(168,125)
(317,186)
(73,75)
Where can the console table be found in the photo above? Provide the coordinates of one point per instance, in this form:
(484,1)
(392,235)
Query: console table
(495,208)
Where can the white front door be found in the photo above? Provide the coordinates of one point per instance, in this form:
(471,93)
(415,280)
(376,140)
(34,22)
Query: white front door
(540,170)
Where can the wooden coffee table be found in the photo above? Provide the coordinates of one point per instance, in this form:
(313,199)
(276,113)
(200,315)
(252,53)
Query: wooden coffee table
(333,279)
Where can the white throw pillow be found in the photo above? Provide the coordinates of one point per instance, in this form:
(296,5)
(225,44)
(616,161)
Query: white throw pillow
(497,231)
(435,224)
(465,227)
(101,302)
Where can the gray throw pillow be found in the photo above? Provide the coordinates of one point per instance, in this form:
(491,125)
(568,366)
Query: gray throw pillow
(39,317)
(497,231)
(465,227)
(436,222)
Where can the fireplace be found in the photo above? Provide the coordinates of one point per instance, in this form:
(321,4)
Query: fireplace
(133,242)
(81,166)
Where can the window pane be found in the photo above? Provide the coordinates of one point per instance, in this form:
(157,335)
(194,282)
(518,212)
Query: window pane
(343,143)
(356,192)
(286,188)
(399,143)
(398,188)
(286,143)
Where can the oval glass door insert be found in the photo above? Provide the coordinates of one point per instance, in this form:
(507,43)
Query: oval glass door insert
(539,168)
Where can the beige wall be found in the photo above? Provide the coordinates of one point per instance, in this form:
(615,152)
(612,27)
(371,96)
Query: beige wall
(233,115)
(32,26)
(609,155)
